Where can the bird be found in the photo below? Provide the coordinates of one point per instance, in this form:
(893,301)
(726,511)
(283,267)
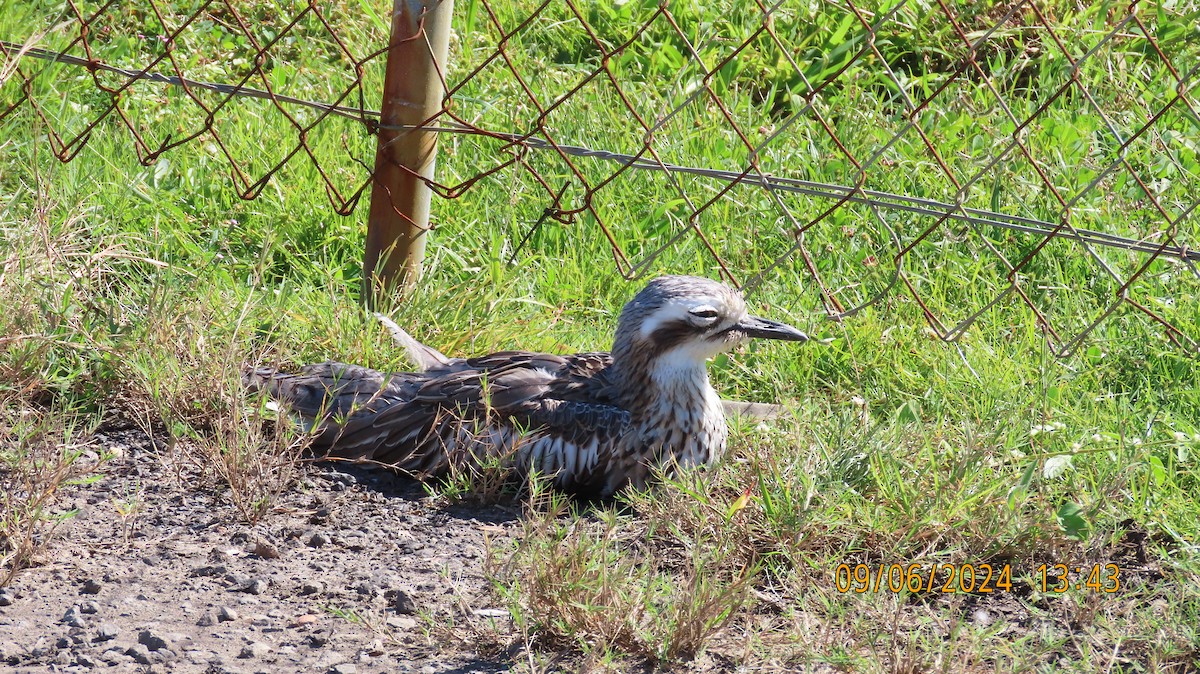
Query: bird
(592,423)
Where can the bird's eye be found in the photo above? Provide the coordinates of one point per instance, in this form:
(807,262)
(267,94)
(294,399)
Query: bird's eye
(704,313)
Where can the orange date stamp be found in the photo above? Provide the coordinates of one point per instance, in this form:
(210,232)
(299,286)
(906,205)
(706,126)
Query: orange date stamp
(945,578)
(979,578)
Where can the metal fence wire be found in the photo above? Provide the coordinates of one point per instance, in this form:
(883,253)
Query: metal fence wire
(860,150)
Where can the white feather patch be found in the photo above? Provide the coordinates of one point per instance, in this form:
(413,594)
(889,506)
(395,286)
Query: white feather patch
(673,311)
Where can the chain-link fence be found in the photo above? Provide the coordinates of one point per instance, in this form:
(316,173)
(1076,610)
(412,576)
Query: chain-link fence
(1036,154)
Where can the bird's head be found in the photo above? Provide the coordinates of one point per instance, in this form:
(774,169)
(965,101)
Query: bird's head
(681,321)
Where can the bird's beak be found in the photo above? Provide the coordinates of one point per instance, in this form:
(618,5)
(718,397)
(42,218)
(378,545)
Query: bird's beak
(753,326)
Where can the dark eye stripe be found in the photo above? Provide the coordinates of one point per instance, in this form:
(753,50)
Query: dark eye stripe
(671,335)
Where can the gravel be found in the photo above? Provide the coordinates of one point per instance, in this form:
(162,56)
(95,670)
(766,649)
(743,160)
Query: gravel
(329,581)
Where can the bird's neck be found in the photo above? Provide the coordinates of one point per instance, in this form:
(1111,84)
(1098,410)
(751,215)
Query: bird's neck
(680,382)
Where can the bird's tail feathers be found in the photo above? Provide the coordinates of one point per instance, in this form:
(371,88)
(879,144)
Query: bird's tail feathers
(424,357)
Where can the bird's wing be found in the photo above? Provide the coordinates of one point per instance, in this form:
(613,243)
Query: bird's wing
(454,415)
(328,391)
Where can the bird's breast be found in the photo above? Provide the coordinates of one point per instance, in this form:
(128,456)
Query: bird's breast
(686,429)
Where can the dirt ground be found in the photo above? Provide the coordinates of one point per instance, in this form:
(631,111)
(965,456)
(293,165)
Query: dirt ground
(351,572)
(354,569)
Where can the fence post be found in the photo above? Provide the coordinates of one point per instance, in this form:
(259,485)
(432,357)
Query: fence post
(412,94)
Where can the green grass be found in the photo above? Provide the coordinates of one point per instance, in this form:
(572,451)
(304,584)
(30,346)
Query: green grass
(140,291)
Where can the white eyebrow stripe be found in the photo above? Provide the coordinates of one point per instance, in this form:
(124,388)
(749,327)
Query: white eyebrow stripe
(673,311)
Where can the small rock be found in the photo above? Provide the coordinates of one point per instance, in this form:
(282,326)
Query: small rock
(226,614)
(74,617)
(317,540)
(355,541)
(85,660)
(113,657)
(366,588)
(344,479)
(89,608)
(260,621)
(62,643)
(254,649)
(265,550)
(198,656)
(344,668)
(240,583)
(981,618)
(306,619)
(208,619)
(107,632)
(428,669)
(91,586)
(317,639)
(151,640)
(210,570)
(403,604)
(140,654)
(491,612)
(321,515)
(312,587)
(401,622)
(7,597)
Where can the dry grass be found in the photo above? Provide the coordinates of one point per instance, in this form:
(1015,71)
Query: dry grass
(190,373)
(69,339)
(46,354)
(611,581)
(41,453)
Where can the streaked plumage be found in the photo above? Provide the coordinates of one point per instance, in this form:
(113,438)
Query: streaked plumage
(594,421)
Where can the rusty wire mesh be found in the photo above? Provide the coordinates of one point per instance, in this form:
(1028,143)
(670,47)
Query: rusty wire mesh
(865,150)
